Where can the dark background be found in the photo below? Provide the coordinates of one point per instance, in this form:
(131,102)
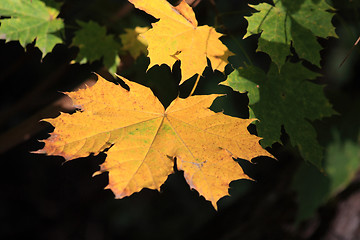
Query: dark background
(44,198)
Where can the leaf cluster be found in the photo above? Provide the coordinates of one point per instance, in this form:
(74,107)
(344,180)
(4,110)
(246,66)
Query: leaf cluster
(282,91)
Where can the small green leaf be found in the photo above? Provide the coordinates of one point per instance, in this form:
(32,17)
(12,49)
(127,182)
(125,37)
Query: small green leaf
(291,21)
(95,44)
(339,170)
(30,20)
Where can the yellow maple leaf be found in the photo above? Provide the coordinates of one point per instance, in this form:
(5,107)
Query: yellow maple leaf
(145,139)
(177,36)
(133,43)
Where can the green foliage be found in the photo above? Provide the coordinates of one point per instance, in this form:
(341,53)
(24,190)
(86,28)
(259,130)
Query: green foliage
(30,20)
(313,188)
(286,99)
(95,44)
(283,97)
(291,23)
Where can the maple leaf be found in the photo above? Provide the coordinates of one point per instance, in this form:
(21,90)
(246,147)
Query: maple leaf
(286,99)
(133,43)
(95,44)
(298,21)
(177,36)
(30,20)
(145,139)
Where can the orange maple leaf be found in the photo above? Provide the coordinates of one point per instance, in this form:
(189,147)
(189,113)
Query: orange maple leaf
(177,36)
(145,139)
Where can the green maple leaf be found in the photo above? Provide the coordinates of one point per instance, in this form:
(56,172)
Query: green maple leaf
(30,20)
(285,99)
(291,21)
(95,44)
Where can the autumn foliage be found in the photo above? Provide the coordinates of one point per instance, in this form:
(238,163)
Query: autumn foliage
(143,141)
(143,138)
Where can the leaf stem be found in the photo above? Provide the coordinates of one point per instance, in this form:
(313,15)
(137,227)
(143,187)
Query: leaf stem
(195,85)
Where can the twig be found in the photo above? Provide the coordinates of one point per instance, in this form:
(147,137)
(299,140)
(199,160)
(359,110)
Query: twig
(347,56)
(28,100)
(31,126)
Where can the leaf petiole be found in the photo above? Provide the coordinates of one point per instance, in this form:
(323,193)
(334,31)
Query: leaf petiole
(195,85)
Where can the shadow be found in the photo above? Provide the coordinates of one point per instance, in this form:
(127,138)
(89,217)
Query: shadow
(292,6)
(305,43)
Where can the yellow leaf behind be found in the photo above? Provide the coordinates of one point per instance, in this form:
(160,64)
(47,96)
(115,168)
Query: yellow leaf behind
(133,43)
(176,36)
